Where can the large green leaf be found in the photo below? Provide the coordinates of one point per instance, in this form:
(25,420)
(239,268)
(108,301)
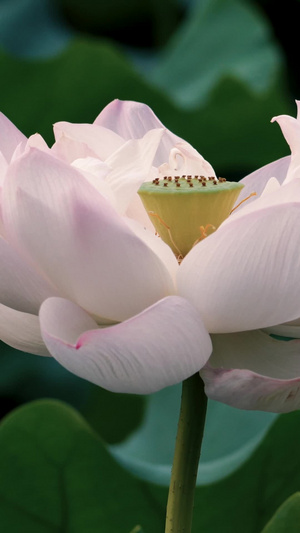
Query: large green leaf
(231,435)
(217,39)
(232,130)
(286,518)
(56,475)
(32,28)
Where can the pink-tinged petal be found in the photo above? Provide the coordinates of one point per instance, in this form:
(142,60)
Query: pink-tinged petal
(1,218)
(257,181)
(130,166)
(81,140)
(246,275)
(3,168)
(251,370)
(290,128)
(78,241)
(132,120)
(21,287)
(21,331)
(161,346)
(10,137)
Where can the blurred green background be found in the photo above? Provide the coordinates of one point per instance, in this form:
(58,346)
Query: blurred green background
(214,71)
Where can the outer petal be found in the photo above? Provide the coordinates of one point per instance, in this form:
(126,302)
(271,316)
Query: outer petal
(81,140)
(21,331)
(291,130)
(246,275)
(251,370)
(78,241)
(10,137)
(161,346)
(257,181)
(21,287)
(132,120)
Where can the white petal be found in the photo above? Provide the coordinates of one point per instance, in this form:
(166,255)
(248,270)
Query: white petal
(81,140)
(271,186)
(251,370)
(130,166)
(257,181)
(159,347)
(246,275)
(184,160)
(284,194)
(95,172)
(21,331)
(291,130)
(78,240)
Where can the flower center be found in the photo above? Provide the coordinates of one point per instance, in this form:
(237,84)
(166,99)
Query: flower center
(186,209)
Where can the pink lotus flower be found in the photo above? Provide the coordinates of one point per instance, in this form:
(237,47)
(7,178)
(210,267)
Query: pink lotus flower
(85,279)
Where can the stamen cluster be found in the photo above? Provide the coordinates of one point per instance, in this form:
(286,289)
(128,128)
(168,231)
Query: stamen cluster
(187,180)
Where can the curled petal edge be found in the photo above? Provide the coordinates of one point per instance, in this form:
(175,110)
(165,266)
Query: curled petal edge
(248,390)
(21,331)
(159,347)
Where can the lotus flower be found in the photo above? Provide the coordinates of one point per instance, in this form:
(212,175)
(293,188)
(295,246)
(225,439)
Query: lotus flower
(86,280)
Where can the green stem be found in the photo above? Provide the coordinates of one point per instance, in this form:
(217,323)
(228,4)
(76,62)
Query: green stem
(186,457)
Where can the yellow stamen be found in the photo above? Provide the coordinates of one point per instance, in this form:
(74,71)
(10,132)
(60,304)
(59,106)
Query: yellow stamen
(242,201)
(203,231)
(152,214)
